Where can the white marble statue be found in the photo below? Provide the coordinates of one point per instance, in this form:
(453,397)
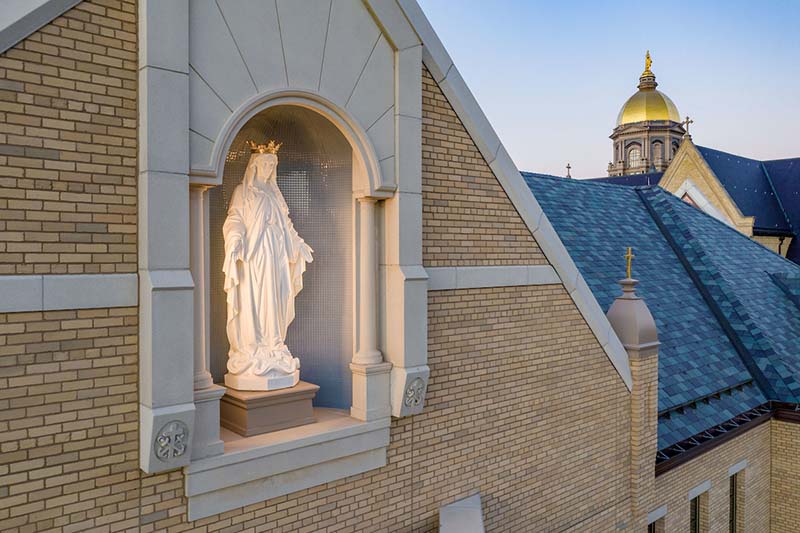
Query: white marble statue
(265,260)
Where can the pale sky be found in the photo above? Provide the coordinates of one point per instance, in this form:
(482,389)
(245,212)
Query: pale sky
(552,75)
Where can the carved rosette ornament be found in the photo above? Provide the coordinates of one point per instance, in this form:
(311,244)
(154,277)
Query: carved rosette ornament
(415,392)
(171,441)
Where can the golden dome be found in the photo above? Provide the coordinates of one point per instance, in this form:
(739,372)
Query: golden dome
(648,103)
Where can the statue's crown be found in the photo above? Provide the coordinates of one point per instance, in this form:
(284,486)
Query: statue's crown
(270,148)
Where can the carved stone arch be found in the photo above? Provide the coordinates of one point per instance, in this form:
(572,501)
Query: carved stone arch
(333,52)
(367,179)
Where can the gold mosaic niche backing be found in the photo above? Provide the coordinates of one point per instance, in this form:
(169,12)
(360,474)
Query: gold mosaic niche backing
(315,177)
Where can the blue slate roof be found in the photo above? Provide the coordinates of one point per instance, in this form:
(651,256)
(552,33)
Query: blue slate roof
(650,178)
(729,332)
(784,175)
(748,184)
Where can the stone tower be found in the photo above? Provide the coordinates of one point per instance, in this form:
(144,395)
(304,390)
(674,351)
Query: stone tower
(648,130)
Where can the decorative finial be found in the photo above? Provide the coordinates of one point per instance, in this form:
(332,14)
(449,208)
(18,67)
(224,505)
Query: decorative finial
(686,123)
(568,169)
(628,260)
(647,80)
(271,148)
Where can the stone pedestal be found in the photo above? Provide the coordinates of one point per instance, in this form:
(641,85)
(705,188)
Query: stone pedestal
(251,413)
(262,383)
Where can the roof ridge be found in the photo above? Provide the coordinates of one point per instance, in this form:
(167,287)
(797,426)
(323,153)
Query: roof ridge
(728,153)
(582,181)
(760,358)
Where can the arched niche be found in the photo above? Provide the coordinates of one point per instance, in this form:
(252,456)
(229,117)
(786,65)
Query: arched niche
(367,177)
(315,176)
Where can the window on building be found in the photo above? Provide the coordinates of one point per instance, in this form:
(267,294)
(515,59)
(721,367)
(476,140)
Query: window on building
(656,527)
(634,157)
(734,506)
(698,519)
(658,152)
(694,519)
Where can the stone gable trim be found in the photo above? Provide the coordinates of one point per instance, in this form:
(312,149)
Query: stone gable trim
(448,278)
(24,17)
(671,179)
(444,72)
(52,292)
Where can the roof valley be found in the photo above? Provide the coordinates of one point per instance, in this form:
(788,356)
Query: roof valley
(722,302)
(777,196)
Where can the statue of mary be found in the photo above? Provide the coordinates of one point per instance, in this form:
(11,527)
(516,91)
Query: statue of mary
(264,263)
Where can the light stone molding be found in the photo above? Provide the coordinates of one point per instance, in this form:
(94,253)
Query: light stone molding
(20,18)
(656,515)
(462,516)
(477,277)
(166,289)
(705,486)
(738,467)
(273,464)
(339,52)
(203,74)
(689,188)
(53,292)
(441,67)
(689,161)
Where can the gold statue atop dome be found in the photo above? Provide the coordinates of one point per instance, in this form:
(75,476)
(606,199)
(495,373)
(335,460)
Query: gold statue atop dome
(271,148)
(647,62)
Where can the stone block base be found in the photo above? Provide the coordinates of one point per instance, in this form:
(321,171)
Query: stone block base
(262,383)
(251,413)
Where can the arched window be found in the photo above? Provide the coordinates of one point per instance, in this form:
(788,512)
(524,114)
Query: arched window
(675,146)
(658,152)
(315,165)
(634,156)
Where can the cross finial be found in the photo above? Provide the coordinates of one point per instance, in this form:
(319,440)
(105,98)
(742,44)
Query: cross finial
(628,260)
(686,123)
(568,169)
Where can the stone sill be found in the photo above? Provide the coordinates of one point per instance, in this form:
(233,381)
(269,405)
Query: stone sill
(254,469)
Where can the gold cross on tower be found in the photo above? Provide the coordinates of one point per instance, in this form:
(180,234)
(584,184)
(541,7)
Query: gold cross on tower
(686,123)
(629,259)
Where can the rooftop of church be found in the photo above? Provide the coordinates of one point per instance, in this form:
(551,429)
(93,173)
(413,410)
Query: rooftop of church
(727,309)
(768,190)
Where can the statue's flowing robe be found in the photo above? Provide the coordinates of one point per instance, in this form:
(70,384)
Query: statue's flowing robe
(262,277)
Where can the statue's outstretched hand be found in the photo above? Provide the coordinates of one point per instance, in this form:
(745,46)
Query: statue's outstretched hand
(305,252)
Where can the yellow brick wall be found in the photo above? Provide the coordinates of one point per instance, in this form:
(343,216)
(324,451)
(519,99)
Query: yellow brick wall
(672,487)
(69,421)
(467,217)
(69,429)
(773,243)
(68,144)
(511,402)
(785,493)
